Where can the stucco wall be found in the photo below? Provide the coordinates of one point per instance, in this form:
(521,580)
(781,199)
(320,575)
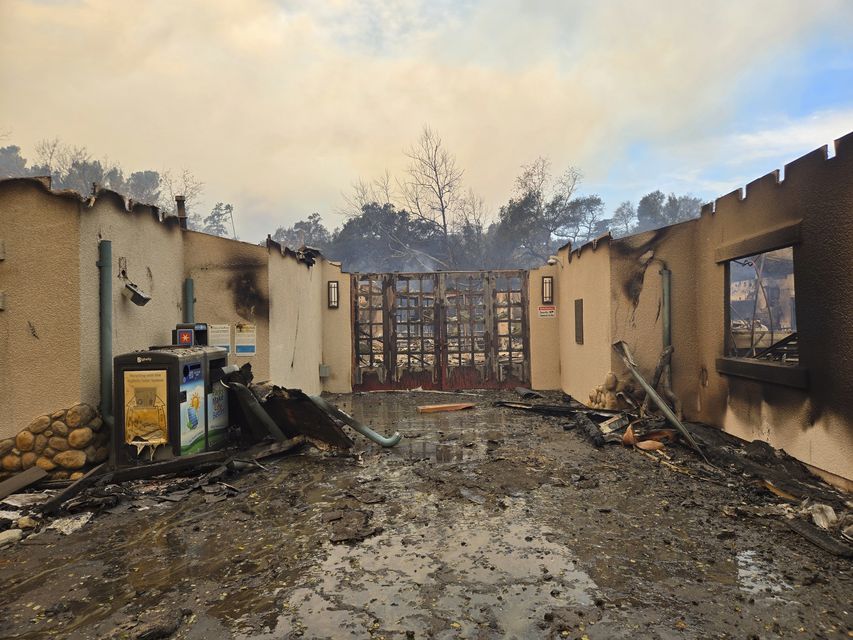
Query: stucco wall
(544,332)
(585,274)
(337,331)
(815,425)
(40,324)
(296,327)
(637,303)
(231,281)
(150,253)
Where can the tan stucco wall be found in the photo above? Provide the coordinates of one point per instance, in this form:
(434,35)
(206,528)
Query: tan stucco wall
(544,332)
(231,281)
(40,325)
(151,253)
(50,279)
(637,303)
(296,327)
(816,424)
(337,331)
(586,274)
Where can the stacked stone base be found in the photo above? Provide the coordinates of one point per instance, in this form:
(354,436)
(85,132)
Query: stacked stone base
(64,444)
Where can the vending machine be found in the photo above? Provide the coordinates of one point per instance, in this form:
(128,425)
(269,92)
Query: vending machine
(169,402)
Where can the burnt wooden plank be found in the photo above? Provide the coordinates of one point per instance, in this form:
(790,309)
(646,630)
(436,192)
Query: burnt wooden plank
(53,505)
(21,481)
(175,465)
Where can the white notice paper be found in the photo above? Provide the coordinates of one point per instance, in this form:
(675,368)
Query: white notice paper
(219,335)
(245,339)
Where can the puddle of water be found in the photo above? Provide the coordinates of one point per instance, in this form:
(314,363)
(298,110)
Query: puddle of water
(499,573)
(756,576)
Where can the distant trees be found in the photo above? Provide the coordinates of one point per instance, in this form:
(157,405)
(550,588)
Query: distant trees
(221,217)
(544,213)
(309,232)
(72,167)
(384,238)
(624,218)
(425,218)
(658,210)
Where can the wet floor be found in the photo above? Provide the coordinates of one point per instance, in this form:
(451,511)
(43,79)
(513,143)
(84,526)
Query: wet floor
(484,523)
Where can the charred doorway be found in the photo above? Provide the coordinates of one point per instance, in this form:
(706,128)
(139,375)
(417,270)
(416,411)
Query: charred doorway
(445,330)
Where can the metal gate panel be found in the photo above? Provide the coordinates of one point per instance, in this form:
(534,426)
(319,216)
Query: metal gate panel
(446,330)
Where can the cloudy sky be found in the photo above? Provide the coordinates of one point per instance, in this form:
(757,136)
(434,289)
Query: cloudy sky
(278,106)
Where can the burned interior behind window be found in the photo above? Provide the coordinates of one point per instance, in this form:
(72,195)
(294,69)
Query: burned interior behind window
(762,319)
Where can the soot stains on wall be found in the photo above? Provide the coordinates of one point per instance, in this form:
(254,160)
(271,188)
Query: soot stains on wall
(249,300)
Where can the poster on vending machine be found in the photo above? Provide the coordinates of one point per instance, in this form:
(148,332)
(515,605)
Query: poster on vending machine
(192,409)
(145,408)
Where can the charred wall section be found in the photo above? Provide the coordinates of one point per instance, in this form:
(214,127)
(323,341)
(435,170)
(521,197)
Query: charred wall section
(49,323)
(815,424)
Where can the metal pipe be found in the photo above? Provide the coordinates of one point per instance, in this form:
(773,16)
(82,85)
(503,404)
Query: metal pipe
(622,350)
(105,280)
(367,432)
(189,300)
(666,288)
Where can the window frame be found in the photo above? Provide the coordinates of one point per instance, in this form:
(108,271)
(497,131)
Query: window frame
(750,368)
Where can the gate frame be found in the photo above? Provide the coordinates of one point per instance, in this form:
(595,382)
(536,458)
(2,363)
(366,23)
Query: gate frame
(442,376)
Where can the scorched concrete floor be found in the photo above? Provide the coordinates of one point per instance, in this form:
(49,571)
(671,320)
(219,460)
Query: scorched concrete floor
(485,523)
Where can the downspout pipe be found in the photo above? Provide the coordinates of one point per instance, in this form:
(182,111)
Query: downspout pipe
(666,296)
(105,303)
(189,300)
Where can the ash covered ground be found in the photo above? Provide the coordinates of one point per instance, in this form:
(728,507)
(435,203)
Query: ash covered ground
(486,523)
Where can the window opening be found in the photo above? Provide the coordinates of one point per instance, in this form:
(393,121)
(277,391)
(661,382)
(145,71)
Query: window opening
(762,320)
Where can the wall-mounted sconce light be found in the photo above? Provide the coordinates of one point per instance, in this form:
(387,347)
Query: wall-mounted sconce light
(136,295)
(334,297)
(547,289)
(552,260)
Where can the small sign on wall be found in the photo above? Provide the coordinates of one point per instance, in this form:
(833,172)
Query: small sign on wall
(245,339)
(219,335)
(548,311)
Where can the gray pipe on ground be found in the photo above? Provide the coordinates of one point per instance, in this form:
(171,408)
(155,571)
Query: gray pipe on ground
(364,430)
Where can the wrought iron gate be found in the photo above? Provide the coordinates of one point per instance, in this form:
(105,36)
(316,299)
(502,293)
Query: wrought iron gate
(445,330)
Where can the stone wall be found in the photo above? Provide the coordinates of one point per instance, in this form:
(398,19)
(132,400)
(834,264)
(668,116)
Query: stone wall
(63,443)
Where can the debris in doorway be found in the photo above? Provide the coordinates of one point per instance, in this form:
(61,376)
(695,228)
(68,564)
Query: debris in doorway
(436,408)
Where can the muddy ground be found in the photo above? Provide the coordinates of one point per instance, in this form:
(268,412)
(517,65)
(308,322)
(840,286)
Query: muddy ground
(486,523)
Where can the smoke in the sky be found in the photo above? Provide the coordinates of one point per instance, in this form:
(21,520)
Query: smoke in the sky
(278,106)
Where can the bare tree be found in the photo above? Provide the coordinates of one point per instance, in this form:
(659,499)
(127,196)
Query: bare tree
(432,184)
(379,191)
(624,218)
(60,158)
(180,184)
